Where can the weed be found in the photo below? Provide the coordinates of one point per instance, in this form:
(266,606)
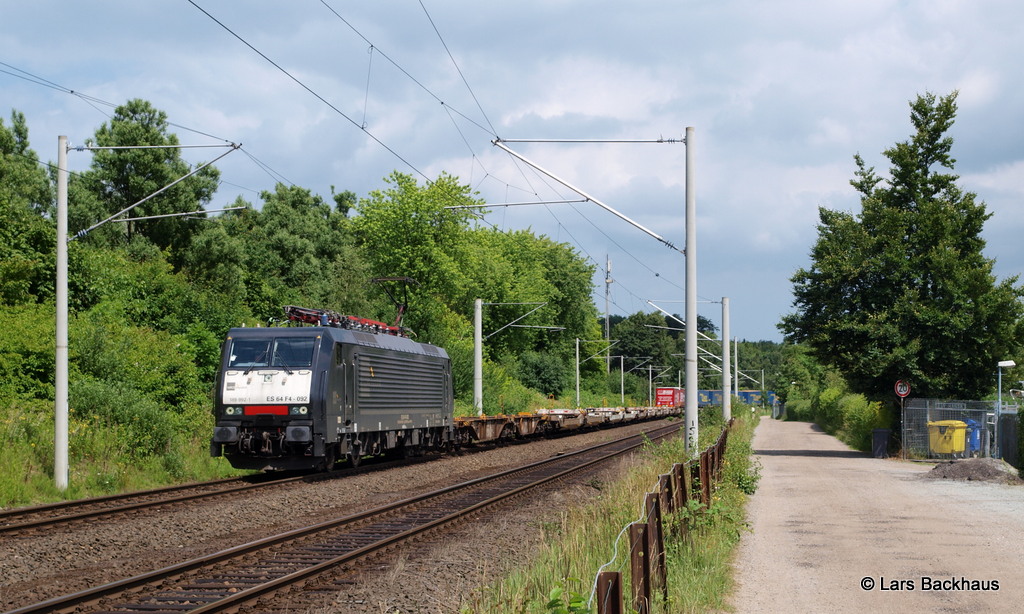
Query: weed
(700,575)
(564,601)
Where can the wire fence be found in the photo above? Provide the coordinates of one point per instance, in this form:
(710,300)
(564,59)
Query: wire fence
(949,429)
(688,486)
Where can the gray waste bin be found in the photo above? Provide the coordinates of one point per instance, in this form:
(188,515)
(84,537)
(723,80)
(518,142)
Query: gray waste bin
(880,443)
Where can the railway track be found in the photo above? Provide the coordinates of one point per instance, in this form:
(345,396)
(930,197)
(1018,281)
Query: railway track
(242,575)
(29,519)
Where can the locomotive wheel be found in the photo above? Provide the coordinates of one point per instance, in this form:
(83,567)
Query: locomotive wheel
(330,457)
(356,455)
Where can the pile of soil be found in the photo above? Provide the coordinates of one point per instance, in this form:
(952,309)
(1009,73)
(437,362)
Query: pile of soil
(976,469)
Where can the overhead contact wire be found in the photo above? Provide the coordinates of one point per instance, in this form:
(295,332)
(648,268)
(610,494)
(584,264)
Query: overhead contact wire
(459,70)
(310,90)
(403,70)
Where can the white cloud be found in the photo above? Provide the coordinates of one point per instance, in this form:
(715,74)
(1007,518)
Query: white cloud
(1003,180)
(781,94)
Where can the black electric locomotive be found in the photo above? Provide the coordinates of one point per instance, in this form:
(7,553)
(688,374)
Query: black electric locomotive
(305,397)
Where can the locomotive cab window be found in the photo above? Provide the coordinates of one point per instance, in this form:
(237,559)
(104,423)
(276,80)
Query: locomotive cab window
(249,353)
(293,352)
(286,352)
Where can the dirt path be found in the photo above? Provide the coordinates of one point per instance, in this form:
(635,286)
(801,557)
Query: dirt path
(837,531)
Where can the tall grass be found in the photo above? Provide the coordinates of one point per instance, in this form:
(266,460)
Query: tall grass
(103,455)
(582,539)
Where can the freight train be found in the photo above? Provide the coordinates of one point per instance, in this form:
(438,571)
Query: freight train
(752,397)
(331,387)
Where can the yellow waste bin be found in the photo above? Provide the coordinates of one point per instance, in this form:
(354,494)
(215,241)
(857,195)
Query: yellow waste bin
(947,436)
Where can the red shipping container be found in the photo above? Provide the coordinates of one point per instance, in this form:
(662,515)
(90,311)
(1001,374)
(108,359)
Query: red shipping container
(669,397)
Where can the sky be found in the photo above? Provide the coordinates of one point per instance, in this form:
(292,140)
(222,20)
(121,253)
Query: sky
(781,95)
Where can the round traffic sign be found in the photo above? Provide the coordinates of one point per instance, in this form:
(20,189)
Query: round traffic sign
(902,388)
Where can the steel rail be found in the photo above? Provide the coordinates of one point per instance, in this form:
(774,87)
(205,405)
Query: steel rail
(83,509)
(237,599)
(15,527)
(109,590)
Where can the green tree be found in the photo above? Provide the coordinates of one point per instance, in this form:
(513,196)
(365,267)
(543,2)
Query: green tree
(216,261)
(26,237)
(120,178)
(755,357)
(406,231)
(295,249)
(543,372)
(409,230)
(515,268)
(344,201)
(902,290)
(644,334)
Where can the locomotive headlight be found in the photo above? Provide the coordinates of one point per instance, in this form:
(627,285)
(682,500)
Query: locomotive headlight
(299,410)
(232,411)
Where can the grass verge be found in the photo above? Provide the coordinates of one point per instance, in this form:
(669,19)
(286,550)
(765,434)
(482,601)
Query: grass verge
(559,580)
(99,460)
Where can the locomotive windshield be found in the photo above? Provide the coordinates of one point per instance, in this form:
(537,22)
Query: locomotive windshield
(286,352)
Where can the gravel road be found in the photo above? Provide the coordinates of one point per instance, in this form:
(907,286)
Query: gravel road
(834,530)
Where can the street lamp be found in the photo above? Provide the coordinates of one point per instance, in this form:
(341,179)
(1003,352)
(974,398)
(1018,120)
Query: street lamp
(999,399)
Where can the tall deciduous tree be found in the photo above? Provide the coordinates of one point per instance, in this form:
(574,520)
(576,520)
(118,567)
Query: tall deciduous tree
(122,177)
(295,249)
(644,335)
(406,231)
(902,290)
(26,237)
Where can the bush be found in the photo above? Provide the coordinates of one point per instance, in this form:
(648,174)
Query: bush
(26,351)
(828,413)
(143,428)
(799,410)
(850,417)
(860,417)
(157,364)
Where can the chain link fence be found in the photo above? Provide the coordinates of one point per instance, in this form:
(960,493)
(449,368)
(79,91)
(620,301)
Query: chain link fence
(936,428)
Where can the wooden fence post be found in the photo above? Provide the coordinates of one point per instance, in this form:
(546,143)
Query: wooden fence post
(640,567)
(659,562)
(725,444)
(679,486)
(609,592)
(666,493)
(716,458)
